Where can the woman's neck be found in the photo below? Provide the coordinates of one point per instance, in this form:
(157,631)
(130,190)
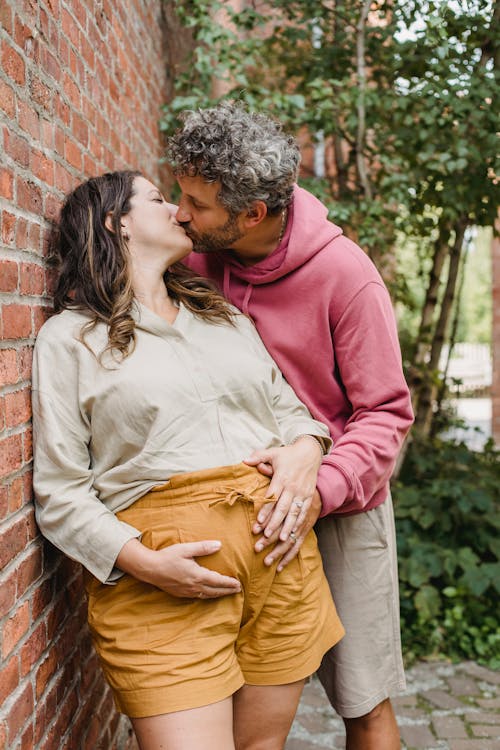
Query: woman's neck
(149,288)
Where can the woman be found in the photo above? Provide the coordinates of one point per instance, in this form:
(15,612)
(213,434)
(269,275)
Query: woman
(149,390)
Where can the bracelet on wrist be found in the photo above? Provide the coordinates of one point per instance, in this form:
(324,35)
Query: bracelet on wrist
(316,439)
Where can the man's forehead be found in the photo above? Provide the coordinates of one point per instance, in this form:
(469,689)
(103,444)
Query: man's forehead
(196,186)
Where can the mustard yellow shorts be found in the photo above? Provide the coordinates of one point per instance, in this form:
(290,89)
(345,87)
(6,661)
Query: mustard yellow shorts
(162,653)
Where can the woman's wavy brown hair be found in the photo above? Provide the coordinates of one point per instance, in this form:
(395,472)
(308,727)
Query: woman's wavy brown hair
(94,271)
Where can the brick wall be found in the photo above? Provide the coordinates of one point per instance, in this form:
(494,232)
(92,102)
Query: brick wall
(80,87)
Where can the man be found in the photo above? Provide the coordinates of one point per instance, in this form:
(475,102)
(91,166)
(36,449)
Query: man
(325,316)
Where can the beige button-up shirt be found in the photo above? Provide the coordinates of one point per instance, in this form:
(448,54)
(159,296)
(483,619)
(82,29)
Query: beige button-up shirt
(191,396)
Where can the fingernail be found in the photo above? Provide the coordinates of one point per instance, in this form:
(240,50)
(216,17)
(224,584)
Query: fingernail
(269,561)
(259,547)
(257,528)
(268,532)
(279,568)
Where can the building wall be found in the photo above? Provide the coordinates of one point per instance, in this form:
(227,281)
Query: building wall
(81,84)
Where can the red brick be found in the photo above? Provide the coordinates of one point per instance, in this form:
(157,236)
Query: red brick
(7,593)
(17,148)
(8,228)
(41,95)
(52,207)
(28,120)
(45,671)
(40,315)
(7,99)
(27,738)
(50,64)
(70,28)
(29,570)
(13,64)
(15,628)
(20,712)
(16,321)
(17,407)
(29,195)
(9,678)
(6,183)
(10,458)
(33,649)
(8,367)
(9,274)
(27,445)
(15,492)
(21,234)
(6,18)
(25,359)
(34,236)
(73,154)
(32,278)
(41,598)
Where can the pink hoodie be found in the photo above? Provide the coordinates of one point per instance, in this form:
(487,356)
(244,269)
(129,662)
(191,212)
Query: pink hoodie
(325,316)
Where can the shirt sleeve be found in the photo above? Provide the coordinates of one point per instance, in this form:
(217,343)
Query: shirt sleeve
(68,510)
(369,362)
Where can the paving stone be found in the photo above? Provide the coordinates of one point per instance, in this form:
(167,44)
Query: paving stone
(316,723)
(482,673)
(474,745)
(449,726)
(441,699)
(463,685)
(482,717)
(404,700)
(486,730)
(418,736)
(488,702)
(413,714)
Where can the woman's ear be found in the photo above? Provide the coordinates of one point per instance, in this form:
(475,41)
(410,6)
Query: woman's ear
(108,223)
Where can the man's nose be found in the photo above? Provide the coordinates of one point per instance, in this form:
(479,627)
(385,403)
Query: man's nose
(182,215)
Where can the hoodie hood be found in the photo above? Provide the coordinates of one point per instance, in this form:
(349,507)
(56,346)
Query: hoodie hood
(301,241)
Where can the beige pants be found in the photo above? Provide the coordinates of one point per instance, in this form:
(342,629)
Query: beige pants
(359,557)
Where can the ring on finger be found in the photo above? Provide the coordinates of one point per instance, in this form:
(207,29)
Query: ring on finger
(293,536)
(298,503)
(200,595)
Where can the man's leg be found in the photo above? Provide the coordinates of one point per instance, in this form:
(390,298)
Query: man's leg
(365,668)
(374,731)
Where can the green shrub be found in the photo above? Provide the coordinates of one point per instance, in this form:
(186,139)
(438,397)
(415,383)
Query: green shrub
(447,520)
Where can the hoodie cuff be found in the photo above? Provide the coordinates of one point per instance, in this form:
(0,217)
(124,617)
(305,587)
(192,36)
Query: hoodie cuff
(333,489)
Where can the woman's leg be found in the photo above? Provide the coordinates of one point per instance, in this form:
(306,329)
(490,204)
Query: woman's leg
(209,727)
(263,715)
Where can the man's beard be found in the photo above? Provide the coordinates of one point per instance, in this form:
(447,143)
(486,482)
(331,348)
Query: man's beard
(221,238)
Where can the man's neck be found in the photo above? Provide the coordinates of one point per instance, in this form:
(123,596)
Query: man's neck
(261,241)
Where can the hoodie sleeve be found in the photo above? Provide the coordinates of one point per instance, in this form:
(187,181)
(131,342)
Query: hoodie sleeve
(369,362)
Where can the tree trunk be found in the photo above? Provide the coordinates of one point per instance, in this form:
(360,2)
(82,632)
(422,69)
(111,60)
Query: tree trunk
(361,104)
(424,411)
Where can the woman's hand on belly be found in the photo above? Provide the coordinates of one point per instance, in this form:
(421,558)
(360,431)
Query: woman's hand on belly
(174,569)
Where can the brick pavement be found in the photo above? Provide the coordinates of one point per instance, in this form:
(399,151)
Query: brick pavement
(445,707)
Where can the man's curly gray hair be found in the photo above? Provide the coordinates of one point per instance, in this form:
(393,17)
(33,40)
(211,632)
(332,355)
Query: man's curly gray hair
(248,153)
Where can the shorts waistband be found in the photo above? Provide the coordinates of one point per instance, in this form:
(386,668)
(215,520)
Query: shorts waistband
(227,482)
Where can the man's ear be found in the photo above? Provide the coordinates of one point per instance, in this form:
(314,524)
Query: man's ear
(256,213)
